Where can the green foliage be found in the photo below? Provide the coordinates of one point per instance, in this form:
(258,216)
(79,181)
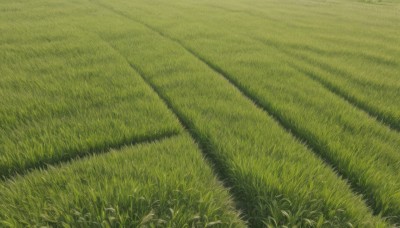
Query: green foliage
(253,154)
(141,186)
(66,95)
(282,97)
(359,147)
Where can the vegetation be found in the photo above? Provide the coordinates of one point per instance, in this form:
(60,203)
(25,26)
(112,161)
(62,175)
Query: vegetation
(108,109)
(144,185)
(360,148)
(69,97)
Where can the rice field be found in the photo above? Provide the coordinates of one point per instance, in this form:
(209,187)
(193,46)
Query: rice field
(184,113)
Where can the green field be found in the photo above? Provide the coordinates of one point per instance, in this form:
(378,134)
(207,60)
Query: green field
(199,113)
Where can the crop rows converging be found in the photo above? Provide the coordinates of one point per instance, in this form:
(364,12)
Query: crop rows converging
(184,113)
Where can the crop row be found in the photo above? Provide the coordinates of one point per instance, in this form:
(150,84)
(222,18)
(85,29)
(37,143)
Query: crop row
(67,94)
(353,56)
(356,60)
(274,178)
(362,149)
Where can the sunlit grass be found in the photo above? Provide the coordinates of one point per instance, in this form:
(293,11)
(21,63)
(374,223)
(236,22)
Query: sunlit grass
(349,138)
(145,185)
(64,95)
(293,103)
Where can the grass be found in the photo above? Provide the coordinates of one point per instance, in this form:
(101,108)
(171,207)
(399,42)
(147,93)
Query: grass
(352,50)
(133,186)
(360,148)
(205,102)
(282,98)
(357,59)
(69,96)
